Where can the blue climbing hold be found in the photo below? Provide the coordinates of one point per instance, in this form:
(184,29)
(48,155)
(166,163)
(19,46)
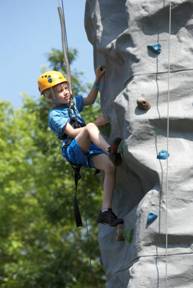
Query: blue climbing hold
(155,48)
(151,218)
(163,155)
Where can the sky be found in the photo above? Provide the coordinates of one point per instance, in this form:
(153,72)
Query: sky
(29,30)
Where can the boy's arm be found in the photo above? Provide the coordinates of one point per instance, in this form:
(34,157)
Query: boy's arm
(90,99)
(72,132)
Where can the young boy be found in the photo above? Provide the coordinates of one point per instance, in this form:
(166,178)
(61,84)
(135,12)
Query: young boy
(82,143)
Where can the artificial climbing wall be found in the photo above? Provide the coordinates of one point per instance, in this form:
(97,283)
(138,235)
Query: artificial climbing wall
(147,48)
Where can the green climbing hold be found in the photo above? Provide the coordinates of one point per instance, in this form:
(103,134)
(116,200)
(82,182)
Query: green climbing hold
(128,235)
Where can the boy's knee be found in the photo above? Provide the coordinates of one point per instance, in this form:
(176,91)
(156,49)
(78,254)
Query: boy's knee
(90,125)
(110,168)
(85,131)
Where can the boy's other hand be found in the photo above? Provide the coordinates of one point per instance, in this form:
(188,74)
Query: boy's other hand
(101,121)
(100,71)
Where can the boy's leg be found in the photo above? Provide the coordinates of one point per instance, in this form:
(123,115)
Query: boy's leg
(106,216)
(102,162)
(89,134)
(83,140)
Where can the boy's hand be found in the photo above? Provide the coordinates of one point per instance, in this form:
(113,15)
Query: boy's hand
(90,99)
(101,121)
(100,71)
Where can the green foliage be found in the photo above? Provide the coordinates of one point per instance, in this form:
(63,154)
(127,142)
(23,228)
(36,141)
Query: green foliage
(56,58)
(39,243)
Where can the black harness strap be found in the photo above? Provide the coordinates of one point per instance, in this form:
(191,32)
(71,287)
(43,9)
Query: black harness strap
(77,177)
(76,168)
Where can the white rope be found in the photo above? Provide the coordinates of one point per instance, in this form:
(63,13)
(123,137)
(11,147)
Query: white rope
(168,135)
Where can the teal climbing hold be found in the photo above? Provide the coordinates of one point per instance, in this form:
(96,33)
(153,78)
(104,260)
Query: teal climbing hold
(155,48)
(163,155)
(151,218)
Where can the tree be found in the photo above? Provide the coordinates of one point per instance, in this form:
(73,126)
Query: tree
(39,243)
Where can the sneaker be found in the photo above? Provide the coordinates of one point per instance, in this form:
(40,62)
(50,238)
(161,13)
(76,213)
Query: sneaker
(108,217)
(113,154)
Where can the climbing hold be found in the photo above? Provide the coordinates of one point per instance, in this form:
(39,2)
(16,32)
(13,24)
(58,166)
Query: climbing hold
(151,218)
(143,104)
(155,48)
(163,155)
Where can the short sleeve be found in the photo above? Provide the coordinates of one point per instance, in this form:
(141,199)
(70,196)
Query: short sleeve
(57,121)
(79,102)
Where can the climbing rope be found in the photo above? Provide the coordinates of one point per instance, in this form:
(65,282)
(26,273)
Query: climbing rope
(167,142)
(64,41)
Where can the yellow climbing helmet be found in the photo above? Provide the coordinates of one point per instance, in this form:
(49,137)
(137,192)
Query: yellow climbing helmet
(50,79)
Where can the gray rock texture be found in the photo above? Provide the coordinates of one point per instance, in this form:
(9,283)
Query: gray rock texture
(157,254)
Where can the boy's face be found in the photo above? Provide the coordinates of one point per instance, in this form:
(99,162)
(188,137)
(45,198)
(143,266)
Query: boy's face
(62,93)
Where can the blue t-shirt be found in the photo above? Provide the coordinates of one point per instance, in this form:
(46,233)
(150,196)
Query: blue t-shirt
(59,116)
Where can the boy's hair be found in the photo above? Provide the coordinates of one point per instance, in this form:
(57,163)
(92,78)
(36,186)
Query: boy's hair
(48,93)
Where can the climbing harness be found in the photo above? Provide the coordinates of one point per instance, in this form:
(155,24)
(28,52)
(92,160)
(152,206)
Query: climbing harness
(76,168)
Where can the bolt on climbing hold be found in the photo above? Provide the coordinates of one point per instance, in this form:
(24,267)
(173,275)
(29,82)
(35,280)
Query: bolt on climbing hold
(120,232)
(143,104)
(155,48)
(151,218)
(163,155)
